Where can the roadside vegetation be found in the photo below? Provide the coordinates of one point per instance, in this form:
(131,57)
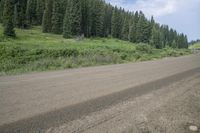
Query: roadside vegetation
(195,46)
(33,50)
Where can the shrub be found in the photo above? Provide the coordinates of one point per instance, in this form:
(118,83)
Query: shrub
(144,48)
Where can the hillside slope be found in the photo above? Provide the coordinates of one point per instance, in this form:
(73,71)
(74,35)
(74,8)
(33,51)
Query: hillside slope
(33,50)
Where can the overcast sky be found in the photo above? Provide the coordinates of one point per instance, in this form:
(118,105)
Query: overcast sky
(182,15)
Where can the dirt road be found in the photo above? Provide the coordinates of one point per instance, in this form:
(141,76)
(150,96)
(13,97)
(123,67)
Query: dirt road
(45,101)
(170,109)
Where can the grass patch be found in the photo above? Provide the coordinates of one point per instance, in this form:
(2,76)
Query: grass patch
(33,50)
(195,46)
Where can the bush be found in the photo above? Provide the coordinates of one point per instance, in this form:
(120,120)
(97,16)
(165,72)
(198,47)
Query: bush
(144,48)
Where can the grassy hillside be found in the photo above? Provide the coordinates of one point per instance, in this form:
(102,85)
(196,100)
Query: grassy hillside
(33,50)
(196,46)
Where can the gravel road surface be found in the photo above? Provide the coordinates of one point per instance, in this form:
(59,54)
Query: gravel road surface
(50,101)
(170,109)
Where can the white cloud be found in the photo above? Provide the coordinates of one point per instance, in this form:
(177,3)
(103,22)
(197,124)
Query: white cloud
(156,7)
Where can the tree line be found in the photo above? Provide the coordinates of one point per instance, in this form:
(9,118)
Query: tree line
(194,42)
(89,18)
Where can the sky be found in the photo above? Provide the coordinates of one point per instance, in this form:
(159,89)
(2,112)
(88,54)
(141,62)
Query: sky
(181,15)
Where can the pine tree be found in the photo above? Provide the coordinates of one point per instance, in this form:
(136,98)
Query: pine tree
(1,10)
(165,31)
(182,41)
(136,17)
(125,29)
(40,6)
(107,20)
(143,29)
(132,31)
(171,37)
(155,38)
(76,17)
(162,41)
(174,44)
(20,14)
(139,28)
(57,17)
(186,45)
(84,17)
(72,19)
(31,12)
(67,33)
(8,18)
(116,23)
(97,18)
(86,21)
(46,21)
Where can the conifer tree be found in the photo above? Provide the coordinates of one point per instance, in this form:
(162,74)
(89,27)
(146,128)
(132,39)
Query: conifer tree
(76,17)
(8,18)
(85,17)
(20,14)
(116,23)
(155,37)
(186,43)
(125,29)
(72,20)
(174,44)
(143,29)
(1,10)
(136,17)
(97,18)
(107,20)
(67,32)
(182,41)
(40,6)
(46,22)
(132,31)
(57,17)
(139,28)
(31,12)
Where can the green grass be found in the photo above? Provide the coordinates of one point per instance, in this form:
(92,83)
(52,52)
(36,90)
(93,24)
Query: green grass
(33,50)
(195,46)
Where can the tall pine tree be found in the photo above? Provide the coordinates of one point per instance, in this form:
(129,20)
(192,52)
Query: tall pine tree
(107,20)
(125,29)
(40,6)
(97,18)
(132,30)
(143,29)
(76,17)
(156,38)
(85,17)
(116,23)
(46,22)
(8,18)
(67,32)
(1,10)
(20,15)
(57,17)
(72,20)
(31,12)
